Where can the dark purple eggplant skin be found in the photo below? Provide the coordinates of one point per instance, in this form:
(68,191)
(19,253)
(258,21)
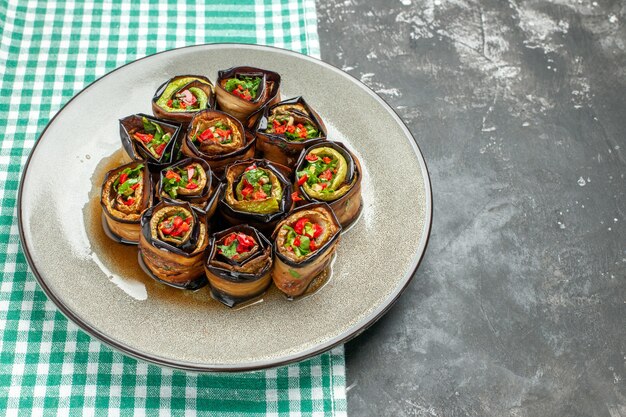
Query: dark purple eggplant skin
(263,222)
(233,276)
(211,192)
(137,153)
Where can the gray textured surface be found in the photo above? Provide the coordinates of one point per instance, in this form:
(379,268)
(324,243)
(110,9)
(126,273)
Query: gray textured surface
(518,308)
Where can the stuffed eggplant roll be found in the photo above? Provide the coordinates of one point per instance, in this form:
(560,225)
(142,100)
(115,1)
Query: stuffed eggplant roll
(239,265)
(257,192)
(328,172)
(304,243)
(172,243)
(153,140)
(240,91)
(218,138)
(191,180)
(181,97)
(126,193)
(286,128)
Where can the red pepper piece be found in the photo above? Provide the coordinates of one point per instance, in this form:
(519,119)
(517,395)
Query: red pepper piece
(296,197)
(172,175)
(303,179)
(191,186)
(159,149)
(259,195)
(167,229)
(317,230)
(129,202)
(312,245)
(207,134)
(134,187)
(291,129)
(178,221)
(169,103)
(188,220)
(326,160)
(230,239)
(184,226)
(123,177)
(326,175)
(299,226)
(251,167)
(144,137)
(296,241)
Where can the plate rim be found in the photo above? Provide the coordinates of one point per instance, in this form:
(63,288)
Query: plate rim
(352,332)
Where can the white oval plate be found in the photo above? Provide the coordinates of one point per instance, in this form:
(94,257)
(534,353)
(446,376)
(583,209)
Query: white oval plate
(97,284)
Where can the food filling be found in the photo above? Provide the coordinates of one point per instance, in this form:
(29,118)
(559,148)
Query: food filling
(219,133)
(175,225)
(188,178)
(286,124)
(324,174)
(236,245)
(126,185)
(152,138)
(244,87)
(302,238)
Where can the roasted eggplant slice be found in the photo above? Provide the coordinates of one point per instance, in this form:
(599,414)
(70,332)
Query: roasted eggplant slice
(181,97)
(218,138)
(240,91)
(172,243)
(257,193)
(329,172)
(126,193)
(147,138)
(191,180)
(239,265)
(304,243)
(286,128)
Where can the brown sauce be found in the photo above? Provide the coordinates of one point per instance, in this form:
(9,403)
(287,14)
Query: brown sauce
(121,259)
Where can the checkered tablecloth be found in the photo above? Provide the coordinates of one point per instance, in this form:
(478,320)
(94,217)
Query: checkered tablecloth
(49,50)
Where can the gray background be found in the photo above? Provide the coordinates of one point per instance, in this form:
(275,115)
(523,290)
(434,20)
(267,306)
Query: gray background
(519,108)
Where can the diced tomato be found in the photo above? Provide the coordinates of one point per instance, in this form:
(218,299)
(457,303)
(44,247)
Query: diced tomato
(299,226)
(184,226)
(291,129)
(247,190)
(326,160)
(312,245)
(177,232)
(123,178)
(311,157)
(323,185)
(259,195)
(296,241)
(188,220)
(230,239)
(178,221)
(134,187)
(167,230)
(250,168)
(302,133)
(326,175)
(171,175)
(144,137)
(296,197)
(129,202)
(317,230)
(183,105)
(191,186)
(207,134)
(169,103)
(303,179)
(245,239)
(222,133)
(159,149)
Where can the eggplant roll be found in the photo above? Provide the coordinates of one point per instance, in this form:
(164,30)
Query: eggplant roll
(218,138)
(240,91)
(257,192)
(147,138)
(238,265)
(329,172)
(191,180)
(172,243)
(126,193)
(286,128)
(181,97)
(304,243)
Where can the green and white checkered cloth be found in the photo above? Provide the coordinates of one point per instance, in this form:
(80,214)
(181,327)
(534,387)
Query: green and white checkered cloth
(49,50)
